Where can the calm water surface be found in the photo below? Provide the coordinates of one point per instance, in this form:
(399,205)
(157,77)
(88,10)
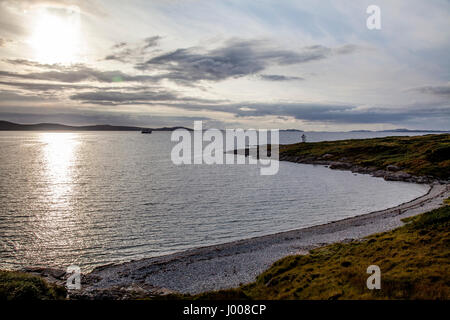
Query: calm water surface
(93,198)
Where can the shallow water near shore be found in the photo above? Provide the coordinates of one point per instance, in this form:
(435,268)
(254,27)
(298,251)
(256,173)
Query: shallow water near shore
(92,198)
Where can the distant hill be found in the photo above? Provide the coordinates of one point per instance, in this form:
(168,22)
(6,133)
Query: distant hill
(360,131)
(10,126)
(409,130)
(402,130)
(292,130)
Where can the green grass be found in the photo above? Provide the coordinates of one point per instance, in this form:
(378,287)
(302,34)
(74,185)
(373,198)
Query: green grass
(418,155)
(22,286)
(414,262)
(447,202)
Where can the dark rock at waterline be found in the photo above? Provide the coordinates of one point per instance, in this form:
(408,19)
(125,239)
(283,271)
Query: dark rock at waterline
(379,173)
(327,156)
(340,165)
(393,168)
(398,176)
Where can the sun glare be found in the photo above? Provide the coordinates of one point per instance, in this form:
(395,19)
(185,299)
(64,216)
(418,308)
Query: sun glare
(56,38)
(59,155)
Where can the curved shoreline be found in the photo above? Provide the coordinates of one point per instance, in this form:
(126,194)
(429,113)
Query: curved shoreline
(230,264)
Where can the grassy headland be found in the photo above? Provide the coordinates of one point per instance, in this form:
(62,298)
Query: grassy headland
(414,262)
(427,155)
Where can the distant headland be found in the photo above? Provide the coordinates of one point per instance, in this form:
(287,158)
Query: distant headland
(403,130)
(10,126)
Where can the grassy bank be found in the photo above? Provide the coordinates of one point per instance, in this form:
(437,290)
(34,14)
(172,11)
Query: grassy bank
(414,262)
(22,286)
(419,155)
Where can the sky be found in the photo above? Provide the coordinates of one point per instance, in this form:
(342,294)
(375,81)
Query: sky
(309,65)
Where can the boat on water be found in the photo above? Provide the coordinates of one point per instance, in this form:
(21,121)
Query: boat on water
(146,130)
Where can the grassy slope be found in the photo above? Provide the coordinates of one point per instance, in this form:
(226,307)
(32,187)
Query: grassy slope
(418,155)
(21,286)
(414,262)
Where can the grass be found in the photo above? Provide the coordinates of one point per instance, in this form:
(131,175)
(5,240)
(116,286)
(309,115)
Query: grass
(426,155)
(414,262)
(22,286)
(447,201)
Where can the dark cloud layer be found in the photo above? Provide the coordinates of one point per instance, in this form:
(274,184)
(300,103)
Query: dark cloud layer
(277,77)
(79,73)
(120,97)
(332,113)
(34,64)
(342,113)
(151,42)
(436,90)
(187,66)
(11,95)
(126,53)
(310,112)
(33,86)
(233,60)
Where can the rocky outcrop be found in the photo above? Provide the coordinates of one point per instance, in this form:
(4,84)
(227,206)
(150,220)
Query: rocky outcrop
(390,173)
(327,156)
(393,168)
(340,165)
(132,291)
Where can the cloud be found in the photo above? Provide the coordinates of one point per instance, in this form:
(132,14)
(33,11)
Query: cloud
(310,112)
(337,114)
(342,113)
(84,6)
(103,97)
(246,109)
(122,56)
(123,97)
(34,64)
(276,77)
(151,41)
(10,95)
(3,42)
(237,58)
(119,45)
(435,90)
(77,73)
(34,86)
(126,53)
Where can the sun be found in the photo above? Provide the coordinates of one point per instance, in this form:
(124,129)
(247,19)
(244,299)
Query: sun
(55,37)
